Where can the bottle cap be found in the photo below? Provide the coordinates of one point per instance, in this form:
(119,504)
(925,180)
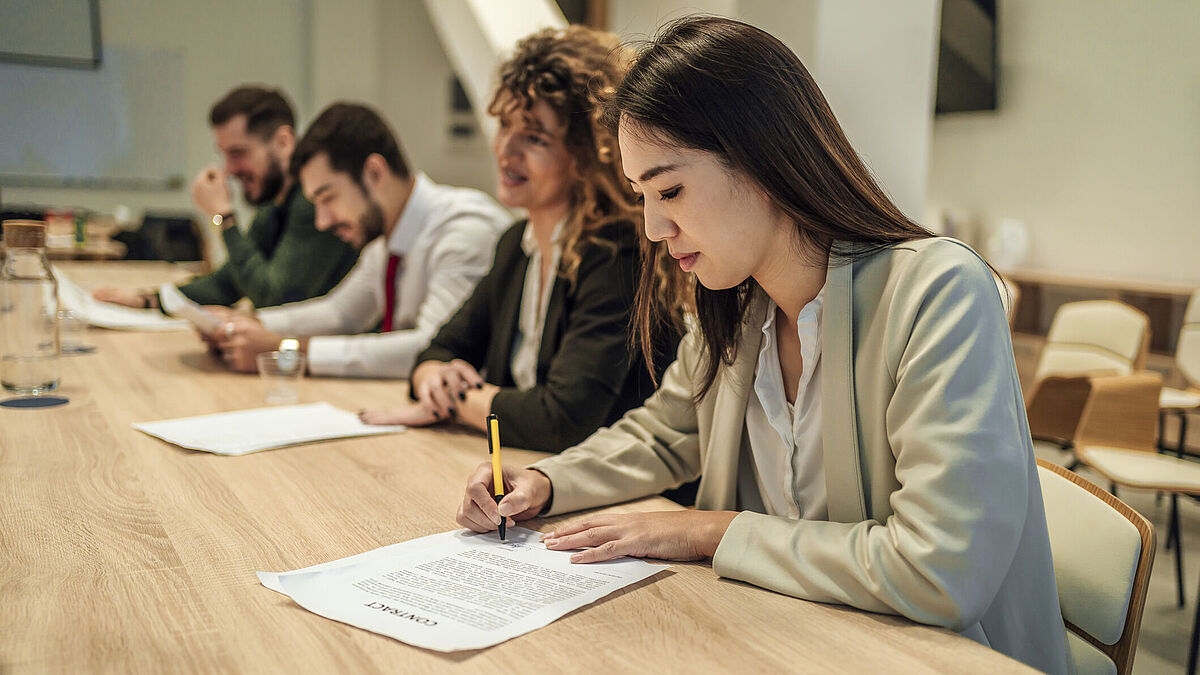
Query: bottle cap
(24,234)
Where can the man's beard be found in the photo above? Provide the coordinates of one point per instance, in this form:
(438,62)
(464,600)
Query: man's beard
(372,220)
(272,183)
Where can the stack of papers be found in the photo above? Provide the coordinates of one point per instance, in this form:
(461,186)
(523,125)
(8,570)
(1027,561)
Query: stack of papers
(245,431)
(108,315)
(180,306)
(456,590)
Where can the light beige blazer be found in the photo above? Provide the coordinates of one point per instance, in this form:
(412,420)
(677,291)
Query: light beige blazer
(935,511)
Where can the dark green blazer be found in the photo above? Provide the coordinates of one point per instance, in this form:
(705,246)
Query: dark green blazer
(587,375)
(281,258)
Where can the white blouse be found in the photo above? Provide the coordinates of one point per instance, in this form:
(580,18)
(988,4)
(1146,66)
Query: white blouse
(785,438)
(532,319)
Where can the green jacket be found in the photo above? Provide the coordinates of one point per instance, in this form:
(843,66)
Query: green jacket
(587,374)
(281,258)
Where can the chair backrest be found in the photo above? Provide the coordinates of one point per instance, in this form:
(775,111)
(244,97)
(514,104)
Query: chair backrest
(1103,551)
(1093,336)
(1187,350)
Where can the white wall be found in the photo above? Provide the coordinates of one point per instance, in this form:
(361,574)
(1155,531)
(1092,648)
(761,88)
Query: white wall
(224,43)
(1096,143)
(875,61)
(380,52)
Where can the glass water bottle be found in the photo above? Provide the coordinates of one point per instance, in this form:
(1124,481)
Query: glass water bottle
(28,311)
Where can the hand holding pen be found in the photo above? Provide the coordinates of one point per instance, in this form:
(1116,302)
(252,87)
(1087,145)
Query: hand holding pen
(526,493)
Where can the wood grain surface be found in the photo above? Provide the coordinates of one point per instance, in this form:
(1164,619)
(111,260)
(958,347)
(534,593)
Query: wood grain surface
(122,553)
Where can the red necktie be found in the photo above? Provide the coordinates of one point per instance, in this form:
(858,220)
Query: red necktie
(389,293)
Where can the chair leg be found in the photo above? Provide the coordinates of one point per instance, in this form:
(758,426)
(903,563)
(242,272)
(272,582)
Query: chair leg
(1179,450)
(1182,447)
(1194,646)
(1171,530)
(1174,531)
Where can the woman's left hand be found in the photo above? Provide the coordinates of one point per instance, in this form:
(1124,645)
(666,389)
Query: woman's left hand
(667,535)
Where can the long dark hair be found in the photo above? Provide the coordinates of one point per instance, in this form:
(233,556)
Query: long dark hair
(727,88)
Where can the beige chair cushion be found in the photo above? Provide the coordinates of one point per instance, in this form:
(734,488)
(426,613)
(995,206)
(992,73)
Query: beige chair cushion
(1095,551)
(1178,398)
(1089,660)
(1146,470)
(1093,335)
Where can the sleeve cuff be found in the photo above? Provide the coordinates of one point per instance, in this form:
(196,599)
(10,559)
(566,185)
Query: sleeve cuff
(326,355)
(736,544)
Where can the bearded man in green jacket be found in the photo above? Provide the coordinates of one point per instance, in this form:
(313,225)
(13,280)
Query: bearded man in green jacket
(280,257)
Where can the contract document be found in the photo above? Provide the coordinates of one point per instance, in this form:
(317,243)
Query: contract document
(245,431)
(108,315)
(456,590)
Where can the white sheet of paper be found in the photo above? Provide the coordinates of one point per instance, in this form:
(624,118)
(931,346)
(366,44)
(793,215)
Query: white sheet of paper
(457,590)
(245,431)
(108,315)
(179,305)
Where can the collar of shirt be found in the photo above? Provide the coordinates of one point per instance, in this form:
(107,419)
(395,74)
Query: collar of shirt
(768,380)
(412,218)
(529,241)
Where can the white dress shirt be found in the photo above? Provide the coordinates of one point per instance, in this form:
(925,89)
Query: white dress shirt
(446,237)
(532,317)
(785,438)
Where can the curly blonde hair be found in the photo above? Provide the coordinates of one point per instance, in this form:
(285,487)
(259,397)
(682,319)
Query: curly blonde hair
(576,72)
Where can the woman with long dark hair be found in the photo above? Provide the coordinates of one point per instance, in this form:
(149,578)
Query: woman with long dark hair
(543,341)
(848,396)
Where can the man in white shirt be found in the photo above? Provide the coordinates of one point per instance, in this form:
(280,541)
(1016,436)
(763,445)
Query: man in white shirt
(424,247)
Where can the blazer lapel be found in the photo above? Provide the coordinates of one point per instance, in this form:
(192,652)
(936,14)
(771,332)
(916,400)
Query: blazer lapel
(505,330)
(551,326)
(718,489)
(839,424)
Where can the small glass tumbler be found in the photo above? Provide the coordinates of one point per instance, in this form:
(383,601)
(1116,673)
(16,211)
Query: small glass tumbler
(281,373)
(72,333)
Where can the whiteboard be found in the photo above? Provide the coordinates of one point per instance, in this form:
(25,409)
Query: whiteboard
(118,126)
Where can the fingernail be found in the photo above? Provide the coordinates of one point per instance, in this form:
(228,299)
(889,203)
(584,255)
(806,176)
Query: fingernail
(437,415)
(504,510)
(550,542)
(479,385)
(497,520)
(462,395)
(577,557)
(453,411)
(549,535)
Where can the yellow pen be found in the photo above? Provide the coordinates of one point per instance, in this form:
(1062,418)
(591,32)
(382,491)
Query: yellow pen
(493,425)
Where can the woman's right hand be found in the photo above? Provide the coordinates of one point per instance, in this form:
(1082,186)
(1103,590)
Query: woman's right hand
(440,385)
(526,493)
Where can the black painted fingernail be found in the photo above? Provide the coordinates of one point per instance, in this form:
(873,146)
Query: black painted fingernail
(453,411)
(462,395)
(479,385)
(437,415)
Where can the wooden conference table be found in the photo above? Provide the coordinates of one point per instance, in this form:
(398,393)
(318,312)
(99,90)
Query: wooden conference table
(121,553)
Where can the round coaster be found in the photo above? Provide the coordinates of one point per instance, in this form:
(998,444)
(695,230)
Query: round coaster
(34,401)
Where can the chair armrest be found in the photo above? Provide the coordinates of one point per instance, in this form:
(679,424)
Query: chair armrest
(1122,412)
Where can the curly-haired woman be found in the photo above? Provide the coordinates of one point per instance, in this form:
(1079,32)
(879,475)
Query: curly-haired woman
(543,342)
